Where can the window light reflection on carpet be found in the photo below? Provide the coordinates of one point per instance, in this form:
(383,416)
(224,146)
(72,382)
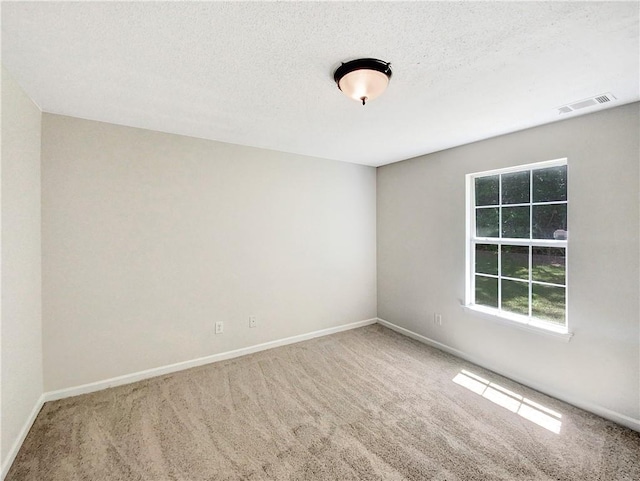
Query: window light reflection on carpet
(530,410)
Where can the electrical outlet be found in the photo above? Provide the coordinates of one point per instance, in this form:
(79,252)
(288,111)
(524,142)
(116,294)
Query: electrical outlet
(252,321)
(437,319)
(219,327)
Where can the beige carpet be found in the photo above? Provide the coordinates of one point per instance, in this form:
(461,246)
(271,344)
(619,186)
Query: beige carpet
(360,405)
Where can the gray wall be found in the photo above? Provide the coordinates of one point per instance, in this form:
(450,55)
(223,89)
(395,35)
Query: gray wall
(21,283)
(150,238)
(421,257)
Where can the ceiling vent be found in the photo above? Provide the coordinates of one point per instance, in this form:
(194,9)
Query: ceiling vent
(581,104)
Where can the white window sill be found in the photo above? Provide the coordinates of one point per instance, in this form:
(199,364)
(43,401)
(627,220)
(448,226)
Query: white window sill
(513,320)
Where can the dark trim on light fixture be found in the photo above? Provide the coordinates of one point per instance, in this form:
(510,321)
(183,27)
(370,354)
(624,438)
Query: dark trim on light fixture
(362,64)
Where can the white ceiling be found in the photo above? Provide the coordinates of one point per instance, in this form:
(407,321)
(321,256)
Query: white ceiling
(260,74)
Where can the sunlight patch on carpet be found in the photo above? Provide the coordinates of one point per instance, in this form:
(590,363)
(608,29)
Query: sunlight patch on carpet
(530,410)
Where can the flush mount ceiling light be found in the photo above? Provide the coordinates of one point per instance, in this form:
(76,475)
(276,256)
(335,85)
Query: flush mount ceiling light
(363,79)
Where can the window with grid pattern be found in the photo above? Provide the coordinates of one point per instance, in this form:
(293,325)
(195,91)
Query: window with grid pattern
(517,243)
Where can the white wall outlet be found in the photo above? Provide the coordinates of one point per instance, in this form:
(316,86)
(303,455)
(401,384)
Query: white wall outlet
(252,321)
(219,327)
(437,319)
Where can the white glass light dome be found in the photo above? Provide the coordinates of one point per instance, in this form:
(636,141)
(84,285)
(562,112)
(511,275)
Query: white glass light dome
(363,79)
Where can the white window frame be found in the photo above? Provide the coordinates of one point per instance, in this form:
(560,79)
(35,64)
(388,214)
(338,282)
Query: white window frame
(527,322)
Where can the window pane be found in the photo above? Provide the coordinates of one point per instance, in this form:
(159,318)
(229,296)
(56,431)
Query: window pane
(521,207)
(487,190)
(515,188)
(515,262)
(548,264)
(550,184)
(487,291)
(548,303)
(515,297)
(515,222)
(487,259)
(487,221)
(550,221)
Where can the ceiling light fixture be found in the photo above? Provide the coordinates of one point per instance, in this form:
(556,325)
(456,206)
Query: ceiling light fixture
(363,79)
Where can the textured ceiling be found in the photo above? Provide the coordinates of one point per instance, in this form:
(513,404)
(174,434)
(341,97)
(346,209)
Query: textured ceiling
(260,74)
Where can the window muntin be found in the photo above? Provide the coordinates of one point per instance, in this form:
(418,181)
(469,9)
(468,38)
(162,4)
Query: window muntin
(517,243)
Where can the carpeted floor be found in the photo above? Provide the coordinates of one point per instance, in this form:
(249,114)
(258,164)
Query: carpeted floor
(360,405)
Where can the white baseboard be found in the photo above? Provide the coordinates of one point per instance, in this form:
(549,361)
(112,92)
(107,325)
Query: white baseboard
(180,366)
(614,416)
(13,452)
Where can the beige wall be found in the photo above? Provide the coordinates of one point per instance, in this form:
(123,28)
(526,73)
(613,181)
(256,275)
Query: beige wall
(421,257)
(150,238)
(21,348)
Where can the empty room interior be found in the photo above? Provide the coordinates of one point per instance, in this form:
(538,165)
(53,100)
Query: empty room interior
(320,241)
